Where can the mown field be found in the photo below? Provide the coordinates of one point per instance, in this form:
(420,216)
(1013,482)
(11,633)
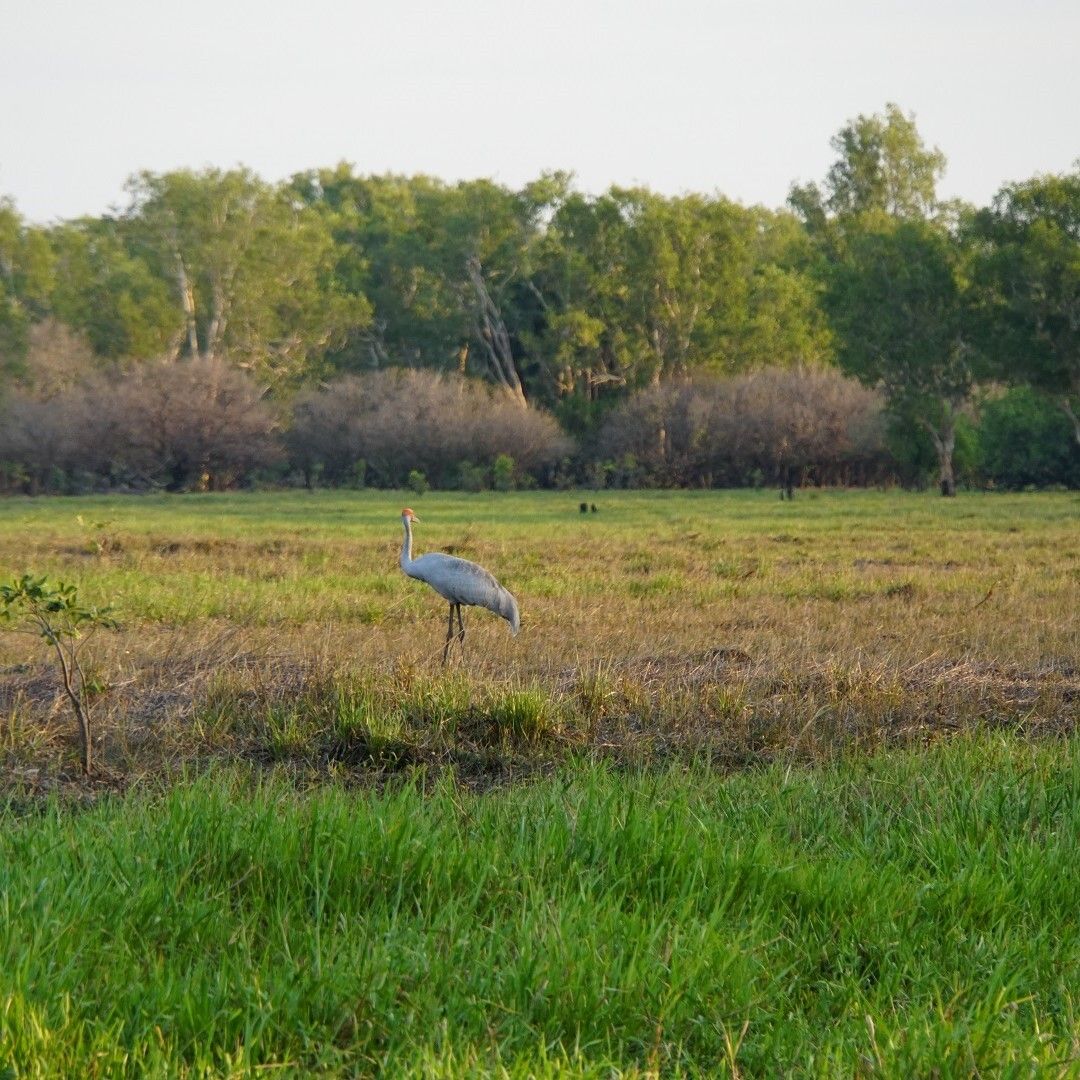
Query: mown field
(761,787)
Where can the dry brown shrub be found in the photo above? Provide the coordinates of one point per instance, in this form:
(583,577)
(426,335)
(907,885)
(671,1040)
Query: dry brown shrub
(188,424)
(57,359)
(193,424)
(774,424)
(399,420)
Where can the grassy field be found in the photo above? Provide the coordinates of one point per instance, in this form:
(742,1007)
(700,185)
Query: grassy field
(280,625)
(761,787)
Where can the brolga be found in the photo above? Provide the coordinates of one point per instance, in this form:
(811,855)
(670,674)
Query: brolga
(460,582)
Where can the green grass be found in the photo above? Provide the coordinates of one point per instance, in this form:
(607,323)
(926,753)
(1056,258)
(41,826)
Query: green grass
(912,914)
(761,788)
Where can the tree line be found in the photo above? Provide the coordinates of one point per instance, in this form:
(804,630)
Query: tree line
(605,327)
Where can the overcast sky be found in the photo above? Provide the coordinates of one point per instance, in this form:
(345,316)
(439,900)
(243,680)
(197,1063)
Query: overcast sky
(679,95)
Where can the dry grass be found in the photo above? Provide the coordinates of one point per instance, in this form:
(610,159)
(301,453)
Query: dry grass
(278,627)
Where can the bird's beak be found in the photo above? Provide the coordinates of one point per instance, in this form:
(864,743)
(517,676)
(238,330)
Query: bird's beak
(415,518)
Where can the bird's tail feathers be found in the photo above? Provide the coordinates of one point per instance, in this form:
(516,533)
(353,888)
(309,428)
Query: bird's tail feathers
(508,609)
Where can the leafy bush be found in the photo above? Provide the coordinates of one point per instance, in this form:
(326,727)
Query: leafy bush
(503,473)
(417,482)
(1025,440)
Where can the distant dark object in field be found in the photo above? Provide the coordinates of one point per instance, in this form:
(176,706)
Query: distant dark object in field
(592,507)
(583,508)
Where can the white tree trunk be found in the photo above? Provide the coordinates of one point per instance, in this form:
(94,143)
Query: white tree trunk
(944,444)
(1067,409)
(494,335)
(187,298)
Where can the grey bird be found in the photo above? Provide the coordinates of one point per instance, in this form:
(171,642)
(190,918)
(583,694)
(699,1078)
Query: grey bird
(460,582)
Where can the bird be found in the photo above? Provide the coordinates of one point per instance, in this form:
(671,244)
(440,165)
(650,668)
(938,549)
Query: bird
(460,582)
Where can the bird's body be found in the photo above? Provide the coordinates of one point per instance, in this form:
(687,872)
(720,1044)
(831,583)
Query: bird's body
(458,581)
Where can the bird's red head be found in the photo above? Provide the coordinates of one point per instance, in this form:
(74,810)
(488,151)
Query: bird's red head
(408,515)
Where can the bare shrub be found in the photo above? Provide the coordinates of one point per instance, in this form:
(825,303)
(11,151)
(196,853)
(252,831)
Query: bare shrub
(191,424)
(784,425)
(397,421)
(57,358)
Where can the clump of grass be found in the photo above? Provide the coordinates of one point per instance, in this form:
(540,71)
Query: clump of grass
(527,716)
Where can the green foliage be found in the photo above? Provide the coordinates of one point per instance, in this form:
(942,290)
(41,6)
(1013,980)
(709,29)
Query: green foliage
(1028,271)
(25,279)
(1025,441)
(32,605)
(503,473)
(912,450)
(359,473)
(417,482)
(895,298)
(252,278)
(472,477)
(882,169)
(53,611)
(107,289)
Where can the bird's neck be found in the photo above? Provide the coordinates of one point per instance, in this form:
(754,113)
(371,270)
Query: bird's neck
(406,547)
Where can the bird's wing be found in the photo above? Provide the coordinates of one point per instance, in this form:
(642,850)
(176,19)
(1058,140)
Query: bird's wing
(464,582)
(460,581)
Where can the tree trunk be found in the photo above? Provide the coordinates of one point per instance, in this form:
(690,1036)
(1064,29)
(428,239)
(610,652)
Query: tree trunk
(187,298)
(216,330)
(495,337)
(944,444)
(1067,409)
(68,671)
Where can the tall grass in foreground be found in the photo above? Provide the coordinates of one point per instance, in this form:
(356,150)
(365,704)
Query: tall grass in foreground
(903,914)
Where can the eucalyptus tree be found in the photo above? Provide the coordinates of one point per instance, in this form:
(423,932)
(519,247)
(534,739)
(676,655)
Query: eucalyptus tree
(104,289)
(893,270)
(251,271)
(447,268)
(486,238)
(902,318)
(882,167)
(641,288)
(684,278)
(382,228)
(783,322)
(583,339)
(1029,271)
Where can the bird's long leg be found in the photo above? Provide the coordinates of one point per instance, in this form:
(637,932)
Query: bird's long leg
(449,636)
(461,632)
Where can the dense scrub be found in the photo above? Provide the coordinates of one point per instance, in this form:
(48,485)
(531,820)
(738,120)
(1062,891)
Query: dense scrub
(202,425)
(379,427)
(773,425)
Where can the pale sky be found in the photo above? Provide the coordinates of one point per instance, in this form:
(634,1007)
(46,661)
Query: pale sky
(678,95)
